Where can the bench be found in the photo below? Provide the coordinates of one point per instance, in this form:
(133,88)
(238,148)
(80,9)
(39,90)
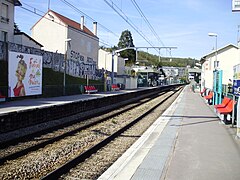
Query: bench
(224,113)
(203,92)
(2,98)
(225,101)
(90,89)
(209,97)
(115,87)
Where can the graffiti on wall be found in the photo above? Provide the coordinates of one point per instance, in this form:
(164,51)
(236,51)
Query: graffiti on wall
(77,66)
(3,50)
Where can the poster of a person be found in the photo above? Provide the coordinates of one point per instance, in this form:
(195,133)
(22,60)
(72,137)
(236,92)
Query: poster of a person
(25,74)
(19,89)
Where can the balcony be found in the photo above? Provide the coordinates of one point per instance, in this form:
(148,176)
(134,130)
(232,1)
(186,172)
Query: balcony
(4,20)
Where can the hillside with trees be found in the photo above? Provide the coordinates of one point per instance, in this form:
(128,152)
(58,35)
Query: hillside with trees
(166,61)
(146,58)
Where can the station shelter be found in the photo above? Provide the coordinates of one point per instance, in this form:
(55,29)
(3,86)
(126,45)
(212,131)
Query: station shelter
(148,76)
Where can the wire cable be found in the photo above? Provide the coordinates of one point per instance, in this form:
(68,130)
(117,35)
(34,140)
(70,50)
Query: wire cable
(125,17)
(81,12)
(147,22)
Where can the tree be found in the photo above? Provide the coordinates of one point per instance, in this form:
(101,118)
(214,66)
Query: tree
(125,41)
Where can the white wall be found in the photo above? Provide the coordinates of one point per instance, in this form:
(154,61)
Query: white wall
(51,34)
(82,44)
(120,66)
(131,83)
(105,62)
(227,60)
(227,57)
(207,74)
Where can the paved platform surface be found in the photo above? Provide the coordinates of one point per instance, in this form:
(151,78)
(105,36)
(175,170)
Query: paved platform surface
(187,142)
(20,105)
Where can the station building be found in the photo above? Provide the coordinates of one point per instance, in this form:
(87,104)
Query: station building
(227,57)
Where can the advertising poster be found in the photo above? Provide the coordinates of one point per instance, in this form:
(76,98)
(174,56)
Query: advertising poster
(236,80)
(236,91)
(24,74)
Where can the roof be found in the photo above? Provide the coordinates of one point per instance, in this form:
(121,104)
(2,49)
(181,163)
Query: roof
(22,33)
(218,50)
(17,3)
(194,70)
(144,69)
(70,23)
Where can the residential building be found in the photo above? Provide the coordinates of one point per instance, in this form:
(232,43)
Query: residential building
(105,62)
(7,19)
(58,33)
(25,40)
(227,57)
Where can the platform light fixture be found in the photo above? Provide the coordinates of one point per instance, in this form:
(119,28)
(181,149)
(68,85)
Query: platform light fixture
(65,63)
(216,62)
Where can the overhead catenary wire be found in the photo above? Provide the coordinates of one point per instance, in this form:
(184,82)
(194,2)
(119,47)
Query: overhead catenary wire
(147,22)
(125,17)
(93,20)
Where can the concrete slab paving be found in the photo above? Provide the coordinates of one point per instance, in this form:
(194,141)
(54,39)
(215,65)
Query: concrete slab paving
(189,142)
(204,148)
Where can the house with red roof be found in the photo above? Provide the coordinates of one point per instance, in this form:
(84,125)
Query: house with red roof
(58,33)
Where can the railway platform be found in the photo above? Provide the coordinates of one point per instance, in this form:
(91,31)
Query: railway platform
(21,116)
(28,104)
(187,142)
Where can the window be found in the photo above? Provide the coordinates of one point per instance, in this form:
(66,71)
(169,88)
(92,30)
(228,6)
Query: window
(216,64)
(4,13)
(3,36)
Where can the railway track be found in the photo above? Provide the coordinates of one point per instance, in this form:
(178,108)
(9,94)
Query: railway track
(96,135)
(28,145)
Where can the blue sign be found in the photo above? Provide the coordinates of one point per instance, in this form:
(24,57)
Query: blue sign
(236,87)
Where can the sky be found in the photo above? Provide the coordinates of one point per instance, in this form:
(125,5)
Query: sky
(183,24)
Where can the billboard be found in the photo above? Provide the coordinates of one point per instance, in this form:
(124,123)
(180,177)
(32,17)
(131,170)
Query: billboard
(24,74)
(236,80)
(235,5)
(236,91)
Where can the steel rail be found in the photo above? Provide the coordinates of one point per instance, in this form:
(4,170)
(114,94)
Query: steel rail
(27,150)
(83,156)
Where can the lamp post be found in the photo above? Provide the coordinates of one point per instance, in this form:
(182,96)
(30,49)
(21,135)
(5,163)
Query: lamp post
(215,82)
(65,63)
(214,35)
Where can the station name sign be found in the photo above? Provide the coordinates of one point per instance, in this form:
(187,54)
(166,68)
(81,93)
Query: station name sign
(235,5)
